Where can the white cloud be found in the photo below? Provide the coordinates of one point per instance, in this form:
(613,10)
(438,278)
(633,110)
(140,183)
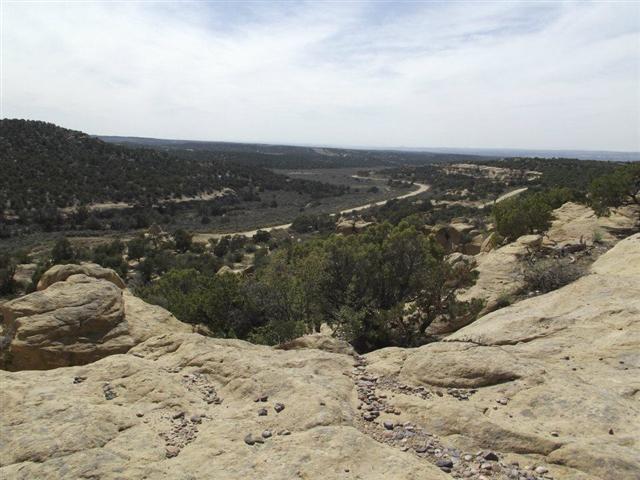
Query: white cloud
(525,75)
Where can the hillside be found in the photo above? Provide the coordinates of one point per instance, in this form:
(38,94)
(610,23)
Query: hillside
(544,389)
(46,167)
(44,163)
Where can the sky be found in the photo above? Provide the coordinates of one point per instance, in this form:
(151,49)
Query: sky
(476,74)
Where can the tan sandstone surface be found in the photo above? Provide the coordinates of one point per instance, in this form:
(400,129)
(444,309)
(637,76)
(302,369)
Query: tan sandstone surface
(556,377)
(551,382)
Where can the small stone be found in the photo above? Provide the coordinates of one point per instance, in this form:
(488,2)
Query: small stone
(196,419)
(503,401)
(322,404)
(248,439)
(139,414)
(284,432)
(491,457)
(555,434)
(266,434)
(262,412)
(486,466)
(262,398)
(77,380)
(172,451)
(444,463)
(611,431)
(178,415)
(388,424)
(541,470)
(278,407)
(468,458)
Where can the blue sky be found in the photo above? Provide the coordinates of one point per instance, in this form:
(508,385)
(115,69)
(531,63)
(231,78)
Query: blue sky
(398,74)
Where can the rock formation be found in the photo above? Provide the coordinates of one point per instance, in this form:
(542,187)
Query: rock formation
(546,388)
(77,318)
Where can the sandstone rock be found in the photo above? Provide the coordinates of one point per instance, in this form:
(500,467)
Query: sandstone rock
(574,221)
(320,341)
(55,429)
(59,273)
(501,271)
(474,246)
(519,353)
(23,274)
(348,226)
(76,321)
(489,243)
(447,237)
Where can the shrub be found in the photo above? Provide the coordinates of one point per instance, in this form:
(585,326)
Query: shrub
(262,236)
(63,252)
(551,274)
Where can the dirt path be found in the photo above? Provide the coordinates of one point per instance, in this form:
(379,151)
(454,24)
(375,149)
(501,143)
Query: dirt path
(505,196)
(204,237)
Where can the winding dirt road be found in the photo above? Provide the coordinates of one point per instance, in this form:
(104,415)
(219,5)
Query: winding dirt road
(204,237)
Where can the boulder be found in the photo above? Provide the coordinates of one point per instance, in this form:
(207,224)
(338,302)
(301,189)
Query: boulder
(501,272)
(59,273)
(489,243)
(321,341)
(447,237)
(349,226)
(77,321)
(23,275)
(474,246)
(553,378)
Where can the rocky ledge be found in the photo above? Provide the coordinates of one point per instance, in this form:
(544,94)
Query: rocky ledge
(546,388)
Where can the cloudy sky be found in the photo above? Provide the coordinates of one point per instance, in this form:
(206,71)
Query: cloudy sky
(404,74)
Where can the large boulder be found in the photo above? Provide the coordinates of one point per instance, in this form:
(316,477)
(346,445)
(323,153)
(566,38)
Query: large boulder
(76,321)
(59,273)
(553,378)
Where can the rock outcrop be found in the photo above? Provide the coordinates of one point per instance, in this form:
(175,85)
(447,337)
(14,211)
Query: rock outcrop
(500,271)
(546,388)
(574,222)
(185,406)
(348,226)
(554,377)
(76,319)
(59,273)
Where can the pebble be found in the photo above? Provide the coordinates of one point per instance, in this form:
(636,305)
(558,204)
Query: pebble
(178,415)
(284,432)
(262,412)
(262,398)
(266,434)
(444,463)
(196,419)
(388,424)
(172,451)
(248,439)
(541,470)
(77,380)
(139,414)
(490,456)
(278,407)
(109,394)
(502,401)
